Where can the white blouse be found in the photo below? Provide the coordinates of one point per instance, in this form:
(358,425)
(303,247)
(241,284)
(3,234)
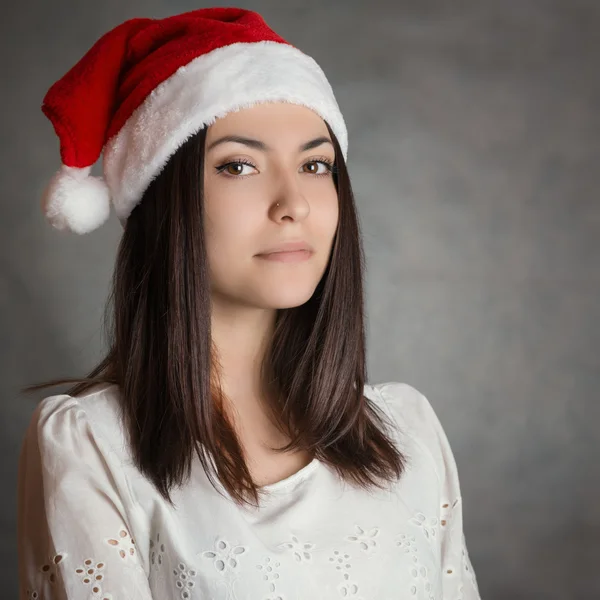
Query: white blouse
(91,526)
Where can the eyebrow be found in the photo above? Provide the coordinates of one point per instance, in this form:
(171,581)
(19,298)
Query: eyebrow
(264,147)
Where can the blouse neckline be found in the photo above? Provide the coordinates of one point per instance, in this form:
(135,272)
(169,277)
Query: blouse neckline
(283,485)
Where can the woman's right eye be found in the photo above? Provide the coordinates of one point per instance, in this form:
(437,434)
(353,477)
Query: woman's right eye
(235,169)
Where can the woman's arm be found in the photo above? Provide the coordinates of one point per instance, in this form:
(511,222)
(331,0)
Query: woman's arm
(74,539)
(458,576)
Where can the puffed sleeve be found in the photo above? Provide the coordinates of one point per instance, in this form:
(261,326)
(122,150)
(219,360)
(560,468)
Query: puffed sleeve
(75,538)
(458,576)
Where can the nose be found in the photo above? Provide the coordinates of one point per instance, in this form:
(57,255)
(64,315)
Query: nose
(289,199)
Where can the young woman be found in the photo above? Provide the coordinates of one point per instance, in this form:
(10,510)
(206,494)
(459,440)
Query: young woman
(228,446)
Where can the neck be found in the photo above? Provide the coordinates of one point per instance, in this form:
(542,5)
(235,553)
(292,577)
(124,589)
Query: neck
(241,337)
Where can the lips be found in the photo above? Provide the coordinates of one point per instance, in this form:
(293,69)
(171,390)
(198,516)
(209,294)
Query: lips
(290,246)
(289,256)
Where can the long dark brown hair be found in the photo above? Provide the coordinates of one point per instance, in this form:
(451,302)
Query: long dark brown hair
(157,323)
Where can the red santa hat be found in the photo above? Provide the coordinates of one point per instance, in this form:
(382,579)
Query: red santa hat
(148,85)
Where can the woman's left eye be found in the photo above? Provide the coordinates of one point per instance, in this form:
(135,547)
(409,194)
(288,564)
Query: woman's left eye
(326,170)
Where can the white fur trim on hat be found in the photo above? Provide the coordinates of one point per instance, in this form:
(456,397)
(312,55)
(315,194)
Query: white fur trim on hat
(225,80)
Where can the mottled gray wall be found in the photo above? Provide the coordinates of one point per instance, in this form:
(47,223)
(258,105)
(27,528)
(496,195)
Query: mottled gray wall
(473,152)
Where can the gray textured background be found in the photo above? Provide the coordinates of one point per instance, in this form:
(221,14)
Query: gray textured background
(474,156)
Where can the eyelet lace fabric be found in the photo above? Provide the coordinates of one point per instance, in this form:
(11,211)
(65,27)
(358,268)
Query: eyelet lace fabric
(92,527)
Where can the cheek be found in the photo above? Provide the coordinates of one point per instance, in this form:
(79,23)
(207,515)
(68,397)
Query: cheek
(230,228)
(326,213)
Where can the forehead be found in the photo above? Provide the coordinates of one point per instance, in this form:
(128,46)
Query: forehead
(270,121)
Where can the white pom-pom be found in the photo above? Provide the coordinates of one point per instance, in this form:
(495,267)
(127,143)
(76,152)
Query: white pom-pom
(76,201)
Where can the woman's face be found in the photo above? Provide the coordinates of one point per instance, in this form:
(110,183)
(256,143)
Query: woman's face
(242,218)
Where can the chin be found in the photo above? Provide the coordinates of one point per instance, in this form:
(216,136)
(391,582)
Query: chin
(290,299)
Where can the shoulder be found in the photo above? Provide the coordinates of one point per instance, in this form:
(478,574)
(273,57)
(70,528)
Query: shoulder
(92,417)
(416,421)
(409,408)
(75,445)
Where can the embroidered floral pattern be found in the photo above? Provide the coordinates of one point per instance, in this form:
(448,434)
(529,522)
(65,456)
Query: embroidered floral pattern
(224,556)
(340,560)
(299,549)
(184,580)
(468,567)
(456,536)
(467,564)
(447,515)
(420,575)
(270,575)
(157,549)
(365,540)
(348,588)
(91,574)
(49,569)
(124,543)
(428,526)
